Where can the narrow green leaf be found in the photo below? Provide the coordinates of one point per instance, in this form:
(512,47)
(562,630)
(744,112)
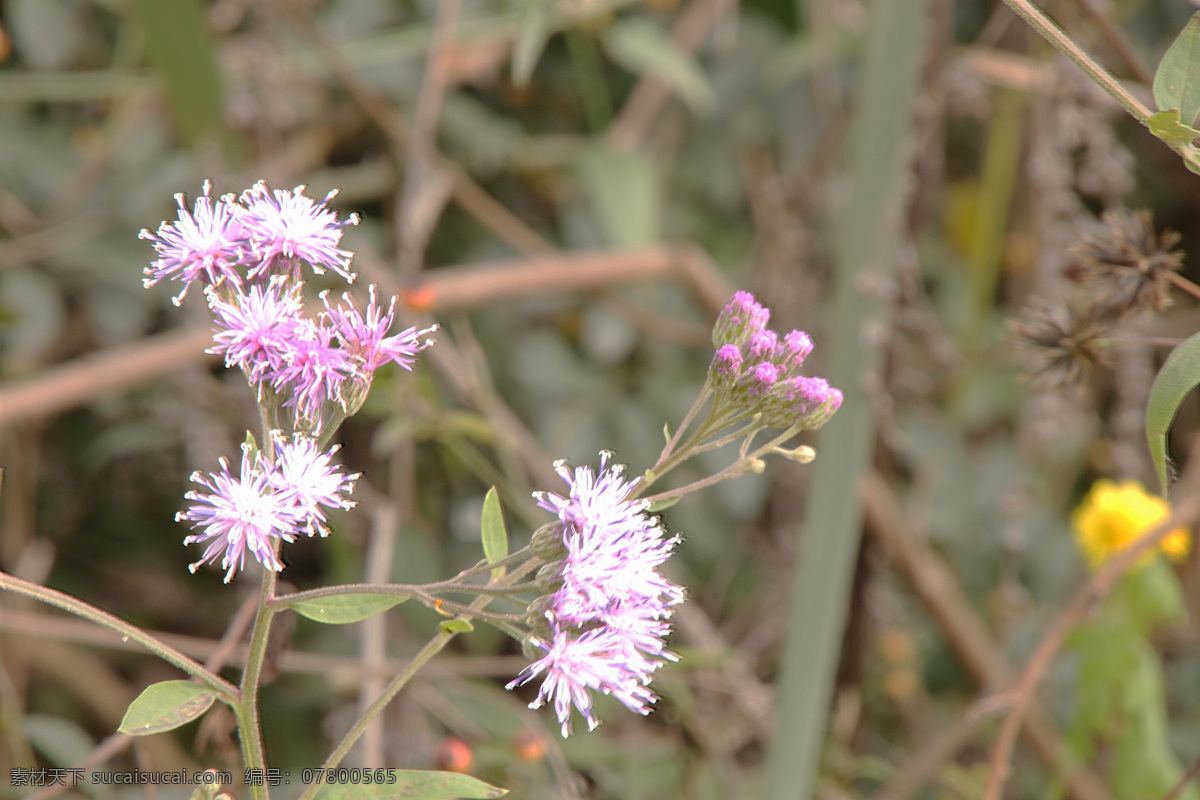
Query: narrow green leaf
(532,36)
(165,706)
(414,784)
(341,609)
(623,192)
(1177,81)
(643,47)
(654,508)
(1178,376)
(493,531)
(457,626)
(1166,126)
(180,46)
(866,245)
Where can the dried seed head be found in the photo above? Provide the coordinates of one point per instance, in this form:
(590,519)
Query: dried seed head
(1063,343)
(1125,268)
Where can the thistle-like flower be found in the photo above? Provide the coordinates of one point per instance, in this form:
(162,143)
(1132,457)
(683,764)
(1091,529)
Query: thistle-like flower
(253,330)
(240,514)
(286,225)
(607,618)
(1125,269)
(311,480)
(205,244)
(365,338)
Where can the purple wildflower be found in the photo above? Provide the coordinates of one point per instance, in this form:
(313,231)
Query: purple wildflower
(253,329)
(796,347)
(608,616)
(313,370)
(311,479)
(758,381)
(365,337)
(592,661)
(240,514)
(741,317)
(288,225)
(205,244)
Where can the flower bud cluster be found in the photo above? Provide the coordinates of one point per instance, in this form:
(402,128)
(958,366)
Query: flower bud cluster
(754,370)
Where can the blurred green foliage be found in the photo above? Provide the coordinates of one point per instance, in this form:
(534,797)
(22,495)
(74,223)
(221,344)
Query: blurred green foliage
(109,108)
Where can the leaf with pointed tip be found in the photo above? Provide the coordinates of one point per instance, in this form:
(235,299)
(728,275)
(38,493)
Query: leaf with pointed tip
(645,48)
(165,706)
(493,531)
(457,626)
(532,35)
(341,609)
(1177,80)
(1178,376)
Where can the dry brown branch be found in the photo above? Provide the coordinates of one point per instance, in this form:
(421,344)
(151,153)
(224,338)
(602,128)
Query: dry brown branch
(444,290)
(33,625)
(1185,512)
(94,375)
(649,95)
(475,201)
(939,591)
(942,749)
(426,187)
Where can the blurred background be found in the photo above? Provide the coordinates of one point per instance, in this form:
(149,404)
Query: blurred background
(573,189)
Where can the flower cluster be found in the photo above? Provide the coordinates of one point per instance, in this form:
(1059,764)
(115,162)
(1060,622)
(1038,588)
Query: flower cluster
(756,371)
(248,252)
(1114,516)
(604,624)
(265,503)
(266,233)
(331,357)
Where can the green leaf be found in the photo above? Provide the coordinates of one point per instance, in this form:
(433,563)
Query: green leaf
(643,47)
(1166,126)
(165,706)
(341,609)
(457,626)
(1177,81)
(415,784)
(532,36)
(623,192)
(180,46)
(493,531)
(1178,376)
(655,507)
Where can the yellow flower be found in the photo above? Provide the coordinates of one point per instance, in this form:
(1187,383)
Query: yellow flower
(1114,516)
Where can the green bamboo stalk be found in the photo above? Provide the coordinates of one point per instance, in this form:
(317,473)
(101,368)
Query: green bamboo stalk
(866,247)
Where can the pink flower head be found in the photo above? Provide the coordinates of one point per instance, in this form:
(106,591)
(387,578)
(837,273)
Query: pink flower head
(576,665)
(253,330)
(240,514)
(287,225)
(365,338)
(204,245)
(311,480)
(608,617)
(313,370)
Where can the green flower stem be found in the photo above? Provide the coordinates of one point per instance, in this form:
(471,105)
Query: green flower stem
(431,648)
(249,727)
(1043,25)
(744,464)
(226,692)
